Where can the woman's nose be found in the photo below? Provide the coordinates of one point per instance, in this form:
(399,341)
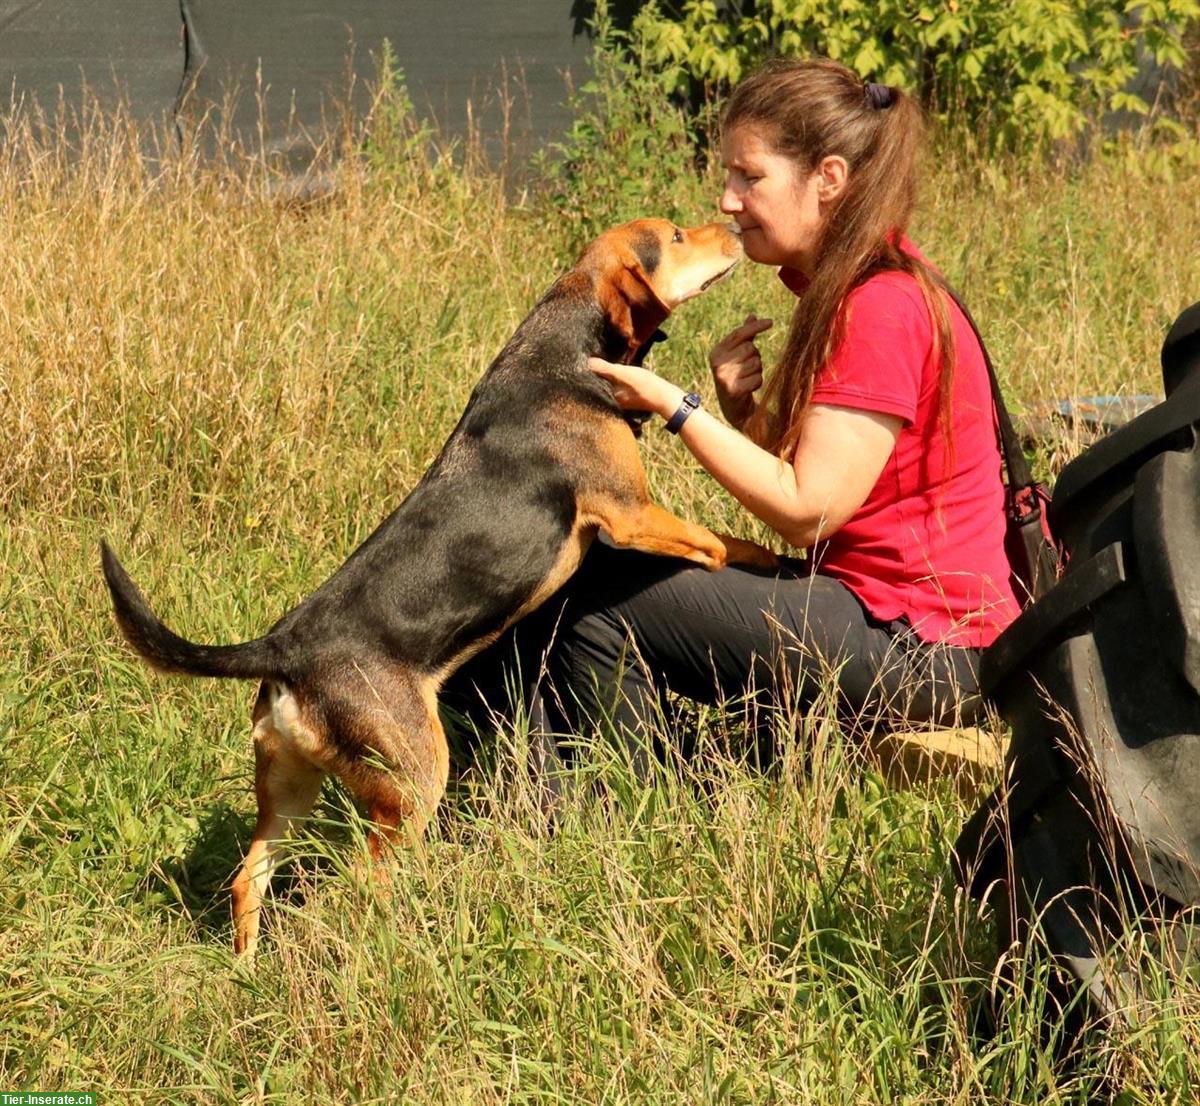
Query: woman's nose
(729,202)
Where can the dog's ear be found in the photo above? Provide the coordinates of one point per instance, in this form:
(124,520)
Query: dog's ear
(632,307)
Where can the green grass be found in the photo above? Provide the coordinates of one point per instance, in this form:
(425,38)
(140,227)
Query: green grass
(235,393)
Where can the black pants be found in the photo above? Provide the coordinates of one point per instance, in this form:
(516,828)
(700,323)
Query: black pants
(631,626)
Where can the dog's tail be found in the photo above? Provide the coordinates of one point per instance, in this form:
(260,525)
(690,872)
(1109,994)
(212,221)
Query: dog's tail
(167,651)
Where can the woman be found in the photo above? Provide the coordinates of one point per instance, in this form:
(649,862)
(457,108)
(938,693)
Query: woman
(872,446)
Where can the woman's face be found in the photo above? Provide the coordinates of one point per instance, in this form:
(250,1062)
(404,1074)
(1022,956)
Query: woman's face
(780,208)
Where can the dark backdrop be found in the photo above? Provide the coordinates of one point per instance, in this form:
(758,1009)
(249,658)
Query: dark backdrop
(299,53)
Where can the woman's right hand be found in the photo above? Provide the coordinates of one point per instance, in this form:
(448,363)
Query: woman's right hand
(737,369)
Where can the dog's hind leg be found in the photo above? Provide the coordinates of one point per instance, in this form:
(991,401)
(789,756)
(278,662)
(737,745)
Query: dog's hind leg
(286,786)
(401,773)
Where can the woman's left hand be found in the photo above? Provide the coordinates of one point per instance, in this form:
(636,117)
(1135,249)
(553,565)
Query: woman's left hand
(638,389)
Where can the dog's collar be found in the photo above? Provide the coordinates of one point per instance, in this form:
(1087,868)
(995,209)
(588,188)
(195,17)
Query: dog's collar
(659,335)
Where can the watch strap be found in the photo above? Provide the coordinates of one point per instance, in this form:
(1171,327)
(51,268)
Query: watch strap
(687,405)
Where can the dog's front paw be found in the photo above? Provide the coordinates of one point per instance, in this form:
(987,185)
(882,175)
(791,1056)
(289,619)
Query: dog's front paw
(741,552)
(710,557)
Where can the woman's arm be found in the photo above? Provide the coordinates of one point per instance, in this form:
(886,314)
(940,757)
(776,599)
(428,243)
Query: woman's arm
(838,459)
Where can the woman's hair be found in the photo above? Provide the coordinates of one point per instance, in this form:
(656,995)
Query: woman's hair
(806,111)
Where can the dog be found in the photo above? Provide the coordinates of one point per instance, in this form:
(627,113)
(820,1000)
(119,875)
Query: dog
(540,461)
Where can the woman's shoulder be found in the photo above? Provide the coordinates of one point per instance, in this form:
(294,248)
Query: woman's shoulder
(889,298)
(895,285)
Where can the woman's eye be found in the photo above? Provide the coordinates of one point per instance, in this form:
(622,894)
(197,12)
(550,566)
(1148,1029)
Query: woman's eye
(677,236)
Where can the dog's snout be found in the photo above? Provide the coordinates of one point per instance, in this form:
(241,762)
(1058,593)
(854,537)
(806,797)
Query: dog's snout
(733,238)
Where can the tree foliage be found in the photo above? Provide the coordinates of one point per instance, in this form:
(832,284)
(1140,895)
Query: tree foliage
(1022,70)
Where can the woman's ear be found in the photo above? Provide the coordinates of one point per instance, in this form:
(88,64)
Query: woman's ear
(833,172)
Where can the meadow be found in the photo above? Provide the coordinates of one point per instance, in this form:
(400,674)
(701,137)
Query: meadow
(235,391)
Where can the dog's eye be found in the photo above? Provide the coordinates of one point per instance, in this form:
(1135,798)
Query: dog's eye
(677,236)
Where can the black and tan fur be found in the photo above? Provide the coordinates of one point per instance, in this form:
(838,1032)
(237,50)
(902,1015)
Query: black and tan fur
(541,459)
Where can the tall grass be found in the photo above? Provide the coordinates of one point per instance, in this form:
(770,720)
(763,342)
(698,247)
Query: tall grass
(235,391)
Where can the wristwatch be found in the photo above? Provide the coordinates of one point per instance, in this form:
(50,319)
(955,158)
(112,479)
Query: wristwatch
(687,405)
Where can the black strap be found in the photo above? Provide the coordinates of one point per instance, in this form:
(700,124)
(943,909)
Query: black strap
(1019,475)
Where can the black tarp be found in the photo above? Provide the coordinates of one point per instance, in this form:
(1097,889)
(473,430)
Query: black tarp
(134,45)
(296,56)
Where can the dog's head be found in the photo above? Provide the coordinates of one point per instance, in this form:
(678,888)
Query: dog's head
(645,269)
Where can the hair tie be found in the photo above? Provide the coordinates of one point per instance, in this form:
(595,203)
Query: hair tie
(879,96)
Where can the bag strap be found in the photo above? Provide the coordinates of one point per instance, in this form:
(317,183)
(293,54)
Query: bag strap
(1019,474)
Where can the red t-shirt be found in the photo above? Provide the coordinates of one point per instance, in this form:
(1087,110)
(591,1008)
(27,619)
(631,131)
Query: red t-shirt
(928,543)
